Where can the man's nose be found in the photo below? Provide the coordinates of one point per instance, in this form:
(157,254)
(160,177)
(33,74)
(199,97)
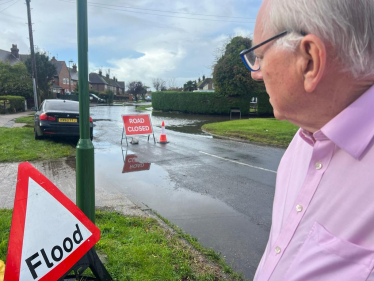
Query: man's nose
(257,75)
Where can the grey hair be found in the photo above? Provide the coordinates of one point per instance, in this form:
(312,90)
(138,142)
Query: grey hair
(348,25)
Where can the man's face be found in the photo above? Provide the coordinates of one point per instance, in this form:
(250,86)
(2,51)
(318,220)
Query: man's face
(279,72)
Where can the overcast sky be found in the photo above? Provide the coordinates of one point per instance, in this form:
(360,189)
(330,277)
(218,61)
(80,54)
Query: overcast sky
(137,40)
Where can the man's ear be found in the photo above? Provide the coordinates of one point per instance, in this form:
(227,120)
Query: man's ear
(313,61)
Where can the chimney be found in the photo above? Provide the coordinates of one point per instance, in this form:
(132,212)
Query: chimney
(203,77)
(74,67)
(53,58)
(107,75)
(100,73)
(15,51)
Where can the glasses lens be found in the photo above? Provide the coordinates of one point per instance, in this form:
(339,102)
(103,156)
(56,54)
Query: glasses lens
(252,61)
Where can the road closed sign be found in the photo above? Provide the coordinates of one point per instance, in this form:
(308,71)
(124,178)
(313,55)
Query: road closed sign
(137,124)
(49,233)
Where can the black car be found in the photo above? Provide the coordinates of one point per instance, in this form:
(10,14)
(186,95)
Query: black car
(58,118)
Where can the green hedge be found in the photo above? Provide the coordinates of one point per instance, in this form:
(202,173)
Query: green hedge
(207,102)
(15,103)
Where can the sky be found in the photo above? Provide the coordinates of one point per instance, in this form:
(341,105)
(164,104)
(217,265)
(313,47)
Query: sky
(175,40)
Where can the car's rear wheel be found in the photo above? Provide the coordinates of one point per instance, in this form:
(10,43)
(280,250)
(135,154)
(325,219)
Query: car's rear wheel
(36,137)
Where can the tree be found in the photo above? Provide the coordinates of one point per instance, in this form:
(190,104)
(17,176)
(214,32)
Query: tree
(172,84)
(190,86)
(15,80)
(137,88)
(230,76)
(159,84)
(45,71)
(109,96)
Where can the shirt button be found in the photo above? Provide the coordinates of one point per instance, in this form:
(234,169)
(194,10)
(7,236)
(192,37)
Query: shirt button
(277,250)
(318,165)
(299,208)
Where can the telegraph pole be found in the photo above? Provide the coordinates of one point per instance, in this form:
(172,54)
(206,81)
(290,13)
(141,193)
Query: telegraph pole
(33,63)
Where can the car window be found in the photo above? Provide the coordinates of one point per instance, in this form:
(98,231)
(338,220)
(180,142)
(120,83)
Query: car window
(62,106)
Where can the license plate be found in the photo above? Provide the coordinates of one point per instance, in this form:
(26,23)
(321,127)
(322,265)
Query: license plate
(67,120)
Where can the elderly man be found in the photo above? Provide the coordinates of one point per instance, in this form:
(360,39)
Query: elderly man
(316,59)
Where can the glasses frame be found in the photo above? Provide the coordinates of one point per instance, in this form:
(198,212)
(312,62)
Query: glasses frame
(246,51)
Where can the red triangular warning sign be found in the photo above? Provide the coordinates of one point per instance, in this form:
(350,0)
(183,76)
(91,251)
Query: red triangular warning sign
(49,233)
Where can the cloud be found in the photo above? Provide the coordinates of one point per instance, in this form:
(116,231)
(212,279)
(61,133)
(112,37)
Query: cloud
(154,63)
(136,40)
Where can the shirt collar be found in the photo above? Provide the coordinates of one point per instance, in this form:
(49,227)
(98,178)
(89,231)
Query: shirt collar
(353,128)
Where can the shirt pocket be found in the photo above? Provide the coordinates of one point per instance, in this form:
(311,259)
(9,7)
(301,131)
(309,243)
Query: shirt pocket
(323,256)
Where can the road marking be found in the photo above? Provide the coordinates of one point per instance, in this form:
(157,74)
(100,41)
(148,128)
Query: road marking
(237,162)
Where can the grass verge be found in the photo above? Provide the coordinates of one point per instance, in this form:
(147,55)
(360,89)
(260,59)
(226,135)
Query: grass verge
(261,130)
(29,120)
(18,144)
(136,248)
(209,253)
(143,107)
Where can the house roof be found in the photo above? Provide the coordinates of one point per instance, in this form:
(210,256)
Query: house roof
(206,81)
(111,82)
(58,65)
(7,56)
(95,78)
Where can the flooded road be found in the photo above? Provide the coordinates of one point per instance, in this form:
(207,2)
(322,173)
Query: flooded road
(219,191)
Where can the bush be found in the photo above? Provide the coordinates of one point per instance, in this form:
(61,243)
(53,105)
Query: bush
(108,96)
(12,104)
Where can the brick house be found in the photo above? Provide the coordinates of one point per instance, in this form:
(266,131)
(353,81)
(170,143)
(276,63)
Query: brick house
(102,83)
(97,82)
(61,78)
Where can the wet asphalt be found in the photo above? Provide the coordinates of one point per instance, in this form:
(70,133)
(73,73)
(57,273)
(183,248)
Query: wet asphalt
(219,191)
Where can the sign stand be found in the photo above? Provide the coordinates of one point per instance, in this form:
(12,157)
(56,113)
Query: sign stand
(137,125)
(92,261)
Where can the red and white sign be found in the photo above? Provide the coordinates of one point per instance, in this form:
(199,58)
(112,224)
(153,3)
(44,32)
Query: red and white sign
(137,124)
(49,233)
(131,165)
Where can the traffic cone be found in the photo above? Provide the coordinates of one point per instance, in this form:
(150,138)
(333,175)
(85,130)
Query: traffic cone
(163,134)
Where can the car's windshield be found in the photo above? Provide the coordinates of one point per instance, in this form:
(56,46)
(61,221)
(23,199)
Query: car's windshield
(93,95)
(62,105)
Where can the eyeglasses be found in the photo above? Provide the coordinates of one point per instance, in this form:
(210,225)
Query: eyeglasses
(250,59)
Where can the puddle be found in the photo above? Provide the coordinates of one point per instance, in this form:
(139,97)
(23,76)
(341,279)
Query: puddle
(150,184)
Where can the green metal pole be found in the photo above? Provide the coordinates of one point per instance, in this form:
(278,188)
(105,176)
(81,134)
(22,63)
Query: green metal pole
(85,150)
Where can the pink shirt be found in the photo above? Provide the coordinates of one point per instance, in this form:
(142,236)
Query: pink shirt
(323,212)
